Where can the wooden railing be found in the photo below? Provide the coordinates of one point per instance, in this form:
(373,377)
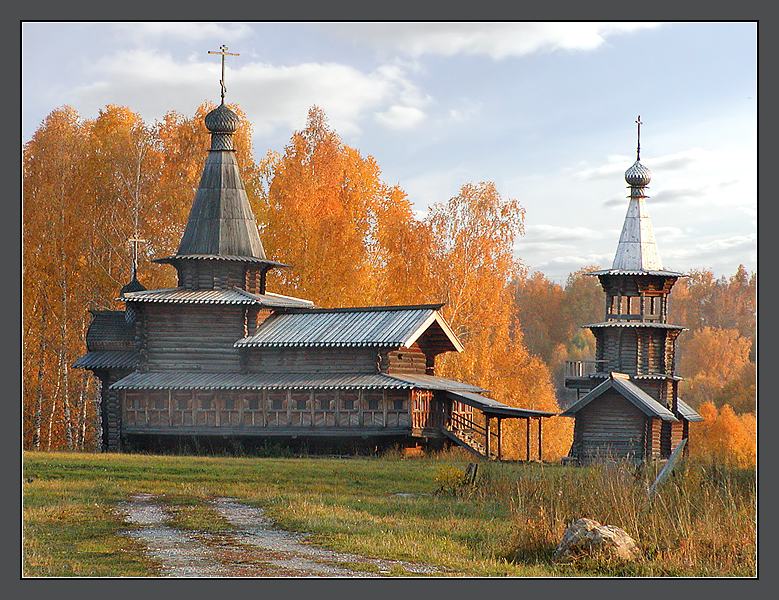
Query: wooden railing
(469,432)
(582,368)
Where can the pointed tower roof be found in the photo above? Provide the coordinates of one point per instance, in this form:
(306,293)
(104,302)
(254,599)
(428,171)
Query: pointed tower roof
(637,249)
(221,223)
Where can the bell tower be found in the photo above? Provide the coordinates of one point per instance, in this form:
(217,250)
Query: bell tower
(635,340)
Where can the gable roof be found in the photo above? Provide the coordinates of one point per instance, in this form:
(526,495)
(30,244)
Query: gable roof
(380,326)
(627,389)
(687,412)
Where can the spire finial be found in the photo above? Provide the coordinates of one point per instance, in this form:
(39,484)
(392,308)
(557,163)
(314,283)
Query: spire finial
(134,243)
(223,52)
(638,145)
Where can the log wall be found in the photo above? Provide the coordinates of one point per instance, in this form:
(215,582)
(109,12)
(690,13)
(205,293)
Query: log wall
(192,338)
(311,360)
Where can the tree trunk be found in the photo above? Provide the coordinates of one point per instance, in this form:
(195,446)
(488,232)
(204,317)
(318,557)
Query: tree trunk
(36,438)
(53,407)
(66,400)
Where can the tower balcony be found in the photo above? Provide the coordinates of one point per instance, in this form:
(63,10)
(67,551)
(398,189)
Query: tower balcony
(577,373)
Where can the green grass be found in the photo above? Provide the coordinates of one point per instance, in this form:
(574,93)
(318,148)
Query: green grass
(347,505)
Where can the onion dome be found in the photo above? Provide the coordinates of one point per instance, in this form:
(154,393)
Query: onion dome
(222,120)
(222,123)
(638,175)
(133,286)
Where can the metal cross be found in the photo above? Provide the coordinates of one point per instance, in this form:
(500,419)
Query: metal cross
(134,242)
(638,146)
(223,52)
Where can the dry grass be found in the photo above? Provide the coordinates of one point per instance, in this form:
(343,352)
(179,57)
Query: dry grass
(701,523)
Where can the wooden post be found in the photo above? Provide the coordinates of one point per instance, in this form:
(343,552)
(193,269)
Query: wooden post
(360,415)
(488,437)
(500,454)
(384,402)
(540,439)
(527,440)
(170,408)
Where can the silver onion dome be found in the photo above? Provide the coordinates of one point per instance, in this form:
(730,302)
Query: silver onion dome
(638,175)
(222,120)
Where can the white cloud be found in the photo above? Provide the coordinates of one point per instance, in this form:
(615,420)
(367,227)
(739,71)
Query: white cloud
(495,40)
(557,233)
(617,164)
(400,117)
(185,30)
(271,95)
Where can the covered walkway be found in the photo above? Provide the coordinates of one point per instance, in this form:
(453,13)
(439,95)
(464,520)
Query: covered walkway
(481,439)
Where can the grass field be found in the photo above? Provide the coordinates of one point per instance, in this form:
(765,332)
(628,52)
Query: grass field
(703,523)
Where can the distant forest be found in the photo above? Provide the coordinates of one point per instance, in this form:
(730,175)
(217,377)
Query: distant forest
(353,240)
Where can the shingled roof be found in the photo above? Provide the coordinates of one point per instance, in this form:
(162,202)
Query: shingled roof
(221,223)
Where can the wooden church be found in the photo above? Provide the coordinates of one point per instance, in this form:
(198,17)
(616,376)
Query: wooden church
(630,407)
(220,357)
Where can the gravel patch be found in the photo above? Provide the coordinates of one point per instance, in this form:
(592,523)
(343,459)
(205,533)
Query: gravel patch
(255,549)
(255,528)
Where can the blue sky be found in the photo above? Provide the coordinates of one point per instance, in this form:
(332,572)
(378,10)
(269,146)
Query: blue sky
(546,110)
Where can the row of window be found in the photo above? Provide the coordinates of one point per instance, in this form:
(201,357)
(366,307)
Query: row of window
(254,404)
(631,305)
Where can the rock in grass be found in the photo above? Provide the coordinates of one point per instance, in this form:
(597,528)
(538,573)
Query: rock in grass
(585,537)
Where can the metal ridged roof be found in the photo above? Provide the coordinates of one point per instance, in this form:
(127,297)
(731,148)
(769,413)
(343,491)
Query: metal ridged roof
(234,258)
(655,325)
(687,411)
(380,327)
(493,407)
(287,381)
(108,359)
(231,296)
(630,391)
(431,382)
(656,273)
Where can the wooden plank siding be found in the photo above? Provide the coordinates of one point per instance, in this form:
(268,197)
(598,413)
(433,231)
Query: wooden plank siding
(610,427)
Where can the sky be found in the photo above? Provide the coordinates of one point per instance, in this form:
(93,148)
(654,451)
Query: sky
(545,110)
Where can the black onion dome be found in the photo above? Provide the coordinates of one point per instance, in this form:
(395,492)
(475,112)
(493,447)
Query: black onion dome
(133,286)
(222,120)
